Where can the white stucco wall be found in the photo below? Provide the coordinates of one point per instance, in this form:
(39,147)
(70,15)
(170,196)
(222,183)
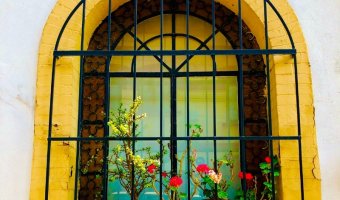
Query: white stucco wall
(320,21)
(21,25)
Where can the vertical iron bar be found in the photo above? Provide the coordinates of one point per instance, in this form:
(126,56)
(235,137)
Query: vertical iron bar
(269,124)
(298,126)
(173,143)
(214,88)
(80,99)
(50,129)
(173,94)
(134,88)
(135,46)
(135,2)
(161,105)
(240,100)
(187,12)
(107,106)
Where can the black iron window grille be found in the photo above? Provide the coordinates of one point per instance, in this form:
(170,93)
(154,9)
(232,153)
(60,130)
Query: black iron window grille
(148,48)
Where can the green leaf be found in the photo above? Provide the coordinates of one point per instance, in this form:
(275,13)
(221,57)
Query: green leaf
(166,181)
(275,160)
(182,195)
(174,189)
(222,195)
(264,165)
(276,173)
(268,185)
(97,176)
(207,180)
(197,126)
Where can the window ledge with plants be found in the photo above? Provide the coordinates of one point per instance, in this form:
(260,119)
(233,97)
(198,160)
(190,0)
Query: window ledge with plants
(139,169)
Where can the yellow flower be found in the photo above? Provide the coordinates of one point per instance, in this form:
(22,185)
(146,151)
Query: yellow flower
(114,129)
(124,128)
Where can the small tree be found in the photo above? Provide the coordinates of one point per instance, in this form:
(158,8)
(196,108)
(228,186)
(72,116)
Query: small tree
(123,163)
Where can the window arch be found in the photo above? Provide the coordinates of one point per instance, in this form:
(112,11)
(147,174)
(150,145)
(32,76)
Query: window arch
(253,119)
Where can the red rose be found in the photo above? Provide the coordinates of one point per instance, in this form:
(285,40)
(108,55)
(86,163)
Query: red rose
(202,168)
(175,181)
(151,168)
(249,176)
(268,159)
(164,174)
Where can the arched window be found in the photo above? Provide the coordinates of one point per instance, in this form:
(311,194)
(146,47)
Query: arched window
(207,100)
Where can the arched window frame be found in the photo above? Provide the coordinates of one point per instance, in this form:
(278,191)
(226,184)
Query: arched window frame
(238,52)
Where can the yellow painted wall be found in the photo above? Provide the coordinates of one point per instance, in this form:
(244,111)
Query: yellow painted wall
(66,97)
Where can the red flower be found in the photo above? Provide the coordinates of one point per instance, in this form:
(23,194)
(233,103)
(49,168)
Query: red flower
(202,168)
(164,174)
(175,181)
(249,176)
(151,168)
(268,159)
(240,175)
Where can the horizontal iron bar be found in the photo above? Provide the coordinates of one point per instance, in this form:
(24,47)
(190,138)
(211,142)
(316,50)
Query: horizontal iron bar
(101,123)
(245,138)
(176,52)
(178,74)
